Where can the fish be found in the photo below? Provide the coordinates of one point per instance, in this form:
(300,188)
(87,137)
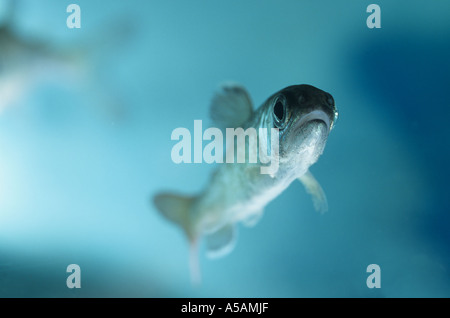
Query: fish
(303,116)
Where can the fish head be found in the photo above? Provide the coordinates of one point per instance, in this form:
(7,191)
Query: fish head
(304,116)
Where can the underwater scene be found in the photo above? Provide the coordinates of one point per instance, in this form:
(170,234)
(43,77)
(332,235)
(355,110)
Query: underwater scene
(117,178)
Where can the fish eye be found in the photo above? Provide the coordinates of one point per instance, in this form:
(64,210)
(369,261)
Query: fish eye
(336,115)
(279,113)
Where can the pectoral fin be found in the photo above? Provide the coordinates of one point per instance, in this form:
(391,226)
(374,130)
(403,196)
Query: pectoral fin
(221,242)
(315,190)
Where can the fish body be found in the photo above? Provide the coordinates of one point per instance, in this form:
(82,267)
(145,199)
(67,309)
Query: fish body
(302,116)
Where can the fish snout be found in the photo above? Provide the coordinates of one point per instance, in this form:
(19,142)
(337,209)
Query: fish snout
(330,108)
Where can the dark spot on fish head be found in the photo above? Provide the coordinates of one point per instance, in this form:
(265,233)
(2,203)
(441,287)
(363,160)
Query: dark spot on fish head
(329,99)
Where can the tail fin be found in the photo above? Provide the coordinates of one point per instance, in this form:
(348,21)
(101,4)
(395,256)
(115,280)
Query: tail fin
(175,208)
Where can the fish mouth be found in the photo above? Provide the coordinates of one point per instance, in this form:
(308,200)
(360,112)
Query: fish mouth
(315,115)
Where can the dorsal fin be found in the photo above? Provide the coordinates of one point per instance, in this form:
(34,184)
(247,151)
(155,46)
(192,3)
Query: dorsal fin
(176,209)
(231,106)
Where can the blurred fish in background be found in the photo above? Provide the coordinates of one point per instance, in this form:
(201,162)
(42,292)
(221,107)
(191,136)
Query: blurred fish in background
(26,61)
